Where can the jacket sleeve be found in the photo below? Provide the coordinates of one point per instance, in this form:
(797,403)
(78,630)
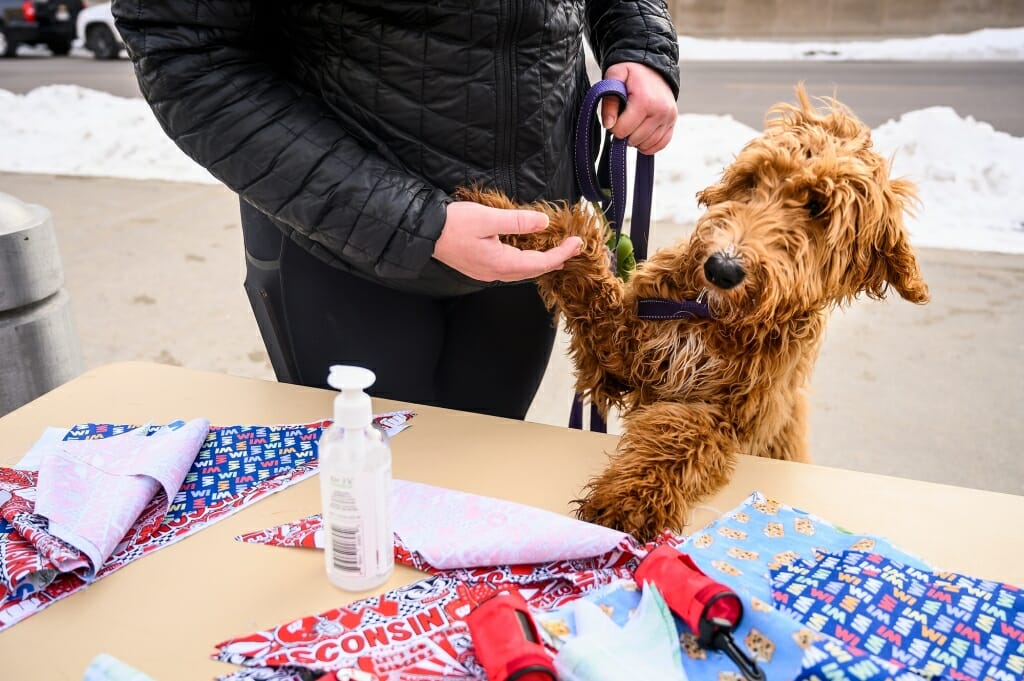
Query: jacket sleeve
(639,31)
(199,67)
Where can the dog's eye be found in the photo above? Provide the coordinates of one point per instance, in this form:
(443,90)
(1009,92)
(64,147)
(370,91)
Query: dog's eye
(815,207)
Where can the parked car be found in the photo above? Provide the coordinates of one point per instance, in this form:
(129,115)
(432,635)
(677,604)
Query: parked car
(96,30)
(38,22)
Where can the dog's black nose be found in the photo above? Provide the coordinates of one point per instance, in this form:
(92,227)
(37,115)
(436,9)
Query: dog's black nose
(723,270)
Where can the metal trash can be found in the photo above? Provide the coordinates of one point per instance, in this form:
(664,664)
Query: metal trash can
(38,346)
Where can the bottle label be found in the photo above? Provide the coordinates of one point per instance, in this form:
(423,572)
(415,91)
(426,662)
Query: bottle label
(346,542)
(359,523)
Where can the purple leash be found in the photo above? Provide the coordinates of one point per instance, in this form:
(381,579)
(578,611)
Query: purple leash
(613,204)
(613,199)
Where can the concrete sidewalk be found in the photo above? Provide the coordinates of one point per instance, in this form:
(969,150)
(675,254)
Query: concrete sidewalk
(155,270)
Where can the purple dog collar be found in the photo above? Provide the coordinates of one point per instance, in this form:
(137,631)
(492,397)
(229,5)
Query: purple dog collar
(661,308)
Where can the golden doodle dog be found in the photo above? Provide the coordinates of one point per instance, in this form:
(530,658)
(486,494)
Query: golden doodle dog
(804,220)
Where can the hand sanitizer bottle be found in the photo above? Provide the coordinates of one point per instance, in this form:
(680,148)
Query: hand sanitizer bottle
(355,487)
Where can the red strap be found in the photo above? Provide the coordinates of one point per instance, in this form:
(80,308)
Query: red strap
(688,592)
(506,640)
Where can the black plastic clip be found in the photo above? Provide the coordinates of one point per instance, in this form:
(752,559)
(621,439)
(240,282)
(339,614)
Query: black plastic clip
(716,634)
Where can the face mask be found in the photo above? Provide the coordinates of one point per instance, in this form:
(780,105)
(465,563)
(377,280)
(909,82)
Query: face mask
(647,647)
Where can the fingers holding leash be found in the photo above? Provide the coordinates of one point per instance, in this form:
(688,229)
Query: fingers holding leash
(650,117)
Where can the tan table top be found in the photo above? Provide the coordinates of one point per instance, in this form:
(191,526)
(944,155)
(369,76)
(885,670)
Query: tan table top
(165,613)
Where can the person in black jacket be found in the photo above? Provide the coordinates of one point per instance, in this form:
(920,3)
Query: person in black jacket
(345,127)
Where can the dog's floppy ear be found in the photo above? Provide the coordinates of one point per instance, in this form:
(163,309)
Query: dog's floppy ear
(709,196)
(893,262)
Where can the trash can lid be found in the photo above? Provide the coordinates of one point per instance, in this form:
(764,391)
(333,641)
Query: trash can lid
(16,215)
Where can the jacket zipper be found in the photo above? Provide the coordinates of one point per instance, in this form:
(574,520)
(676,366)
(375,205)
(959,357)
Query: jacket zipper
(507,99)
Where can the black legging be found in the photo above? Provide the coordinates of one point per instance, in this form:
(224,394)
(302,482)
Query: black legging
(485,352)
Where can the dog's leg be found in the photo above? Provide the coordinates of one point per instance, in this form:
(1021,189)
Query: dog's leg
(590,298)
(670,457)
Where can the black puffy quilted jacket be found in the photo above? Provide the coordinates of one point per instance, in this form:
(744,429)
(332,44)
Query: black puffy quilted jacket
(351,121)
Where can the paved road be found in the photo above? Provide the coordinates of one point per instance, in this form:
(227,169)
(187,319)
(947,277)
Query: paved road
(26,73)
(877,91)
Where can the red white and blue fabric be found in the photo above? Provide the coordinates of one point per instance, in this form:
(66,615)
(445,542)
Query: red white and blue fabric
(416,632)
(937,624)
(419,635)
(236,466)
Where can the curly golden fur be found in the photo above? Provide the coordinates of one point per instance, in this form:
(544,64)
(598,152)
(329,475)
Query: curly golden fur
(806,218)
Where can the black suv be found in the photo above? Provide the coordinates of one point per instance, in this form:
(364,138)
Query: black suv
(43,22)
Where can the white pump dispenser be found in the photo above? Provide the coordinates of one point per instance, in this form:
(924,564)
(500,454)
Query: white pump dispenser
(355,487)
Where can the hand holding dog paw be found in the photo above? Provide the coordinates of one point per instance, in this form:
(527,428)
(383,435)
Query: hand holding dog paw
(470,243)
(650,116)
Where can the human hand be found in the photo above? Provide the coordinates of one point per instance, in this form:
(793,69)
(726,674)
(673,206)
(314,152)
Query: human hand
(469,243)
(650,116)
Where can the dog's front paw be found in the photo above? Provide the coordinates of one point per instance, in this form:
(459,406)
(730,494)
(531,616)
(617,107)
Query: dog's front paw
(638,515)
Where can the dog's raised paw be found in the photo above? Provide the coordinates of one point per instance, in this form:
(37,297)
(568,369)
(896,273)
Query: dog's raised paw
(641,524)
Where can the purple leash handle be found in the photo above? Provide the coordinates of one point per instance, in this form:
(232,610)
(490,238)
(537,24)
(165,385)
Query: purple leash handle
(614,204)
(585,174)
